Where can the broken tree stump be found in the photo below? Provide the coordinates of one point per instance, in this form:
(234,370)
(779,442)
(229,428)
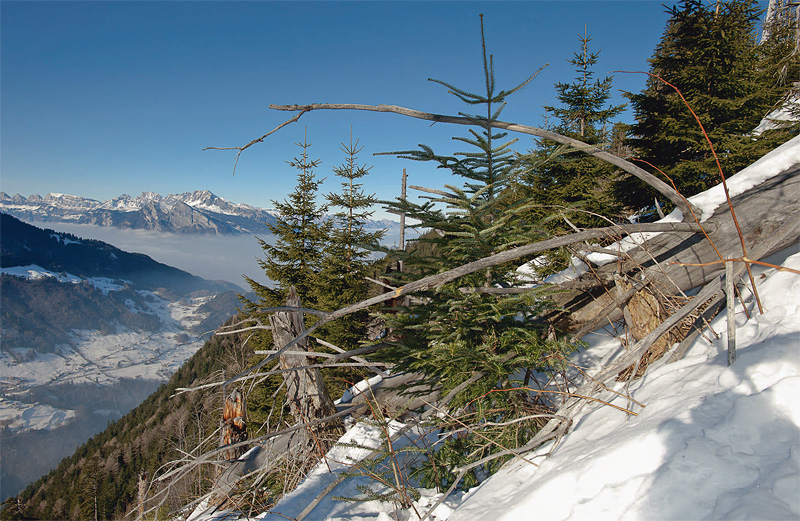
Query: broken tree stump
(233,427)
(305,390)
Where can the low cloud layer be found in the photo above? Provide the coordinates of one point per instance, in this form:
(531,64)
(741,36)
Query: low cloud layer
(213,257)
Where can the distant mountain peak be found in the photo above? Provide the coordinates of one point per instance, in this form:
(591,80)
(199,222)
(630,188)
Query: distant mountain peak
(199,211)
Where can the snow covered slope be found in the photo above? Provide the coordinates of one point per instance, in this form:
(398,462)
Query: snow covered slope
(712,442)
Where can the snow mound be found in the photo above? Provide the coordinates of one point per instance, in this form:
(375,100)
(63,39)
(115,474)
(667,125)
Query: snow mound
(713,442)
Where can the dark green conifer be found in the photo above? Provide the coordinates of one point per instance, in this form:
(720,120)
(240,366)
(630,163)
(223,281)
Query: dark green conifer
(711,55)
(301,236)
(567,184)
(346,262)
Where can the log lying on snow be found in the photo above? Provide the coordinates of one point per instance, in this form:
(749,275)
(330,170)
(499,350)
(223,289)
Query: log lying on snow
(761,211)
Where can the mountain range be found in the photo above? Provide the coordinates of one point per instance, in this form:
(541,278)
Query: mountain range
(191,212)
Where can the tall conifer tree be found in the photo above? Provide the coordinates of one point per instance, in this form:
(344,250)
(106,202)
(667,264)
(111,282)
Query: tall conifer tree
(346,261)
(301,236)
(566,182)
(711,54)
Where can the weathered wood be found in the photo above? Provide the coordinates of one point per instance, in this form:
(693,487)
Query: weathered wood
(763,211)
(305,391)
(730,294)
(233,427)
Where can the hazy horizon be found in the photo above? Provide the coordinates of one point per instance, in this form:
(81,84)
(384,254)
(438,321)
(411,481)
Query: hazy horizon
(212,257)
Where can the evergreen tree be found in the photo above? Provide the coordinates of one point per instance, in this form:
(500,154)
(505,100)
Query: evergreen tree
(779,51)
(711,55)
(463,327)
(584,110)
(301,236)
(341,280)
(566,182)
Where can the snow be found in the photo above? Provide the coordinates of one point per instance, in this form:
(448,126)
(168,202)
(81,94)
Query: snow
(712,441)
(61,238)
(96,358)
(35,272)
(18,416)
(786,113)
(769,166)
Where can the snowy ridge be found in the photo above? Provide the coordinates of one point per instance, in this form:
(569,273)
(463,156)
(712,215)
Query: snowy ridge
(34,272)
(200,211)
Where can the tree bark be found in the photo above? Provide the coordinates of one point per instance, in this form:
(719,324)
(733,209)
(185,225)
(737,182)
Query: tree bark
(763,211)
(305,391)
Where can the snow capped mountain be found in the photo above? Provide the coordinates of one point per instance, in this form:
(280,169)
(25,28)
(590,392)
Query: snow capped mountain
(200,211)
(191,212)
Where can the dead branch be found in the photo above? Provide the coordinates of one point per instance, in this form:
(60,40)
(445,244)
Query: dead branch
(495,291)
(439,279)
(259,140)
(306,354)
(366,362)
(617,302)
(745,260)
(432,191)
(663,188)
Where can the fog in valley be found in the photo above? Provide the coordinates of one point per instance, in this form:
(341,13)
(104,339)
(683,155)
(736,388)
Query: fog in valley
(213,257)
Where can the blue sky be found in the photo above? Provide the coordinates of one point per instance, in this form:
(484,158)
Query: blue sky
(104,98)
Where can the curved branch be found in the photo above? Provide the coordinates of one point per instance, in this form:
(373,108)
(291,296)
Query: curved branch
(439,279)
(662,187)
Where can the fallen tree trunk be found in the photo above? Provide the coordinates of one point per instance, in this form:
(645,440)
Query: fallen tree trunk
(662,260)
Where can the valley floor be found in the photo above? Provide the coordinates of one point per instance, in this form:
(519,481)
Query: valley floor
(61,399)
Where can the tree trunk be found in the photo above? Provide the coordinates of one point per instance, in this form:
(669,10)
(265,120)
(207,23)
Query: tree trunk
(763,211)
(305,391)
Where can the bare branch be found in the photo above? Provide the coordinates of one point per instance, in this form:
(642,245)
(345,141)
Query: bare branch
(242,330)
(307,311)
(663,188)
(259,140)
(431,191)
(374,368)
(495,291)
(310,354)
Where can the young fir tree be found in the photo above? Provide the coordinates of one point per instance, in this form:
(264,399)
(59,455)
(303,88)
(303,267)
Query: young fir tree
(710,53)
(573,185)
(462,327)
(300,240)
(295,259)
(346,263)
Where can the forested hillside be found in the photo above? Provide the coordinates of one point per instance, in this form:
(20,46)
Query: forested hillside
(24,245)
(103,473)
(39,314)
